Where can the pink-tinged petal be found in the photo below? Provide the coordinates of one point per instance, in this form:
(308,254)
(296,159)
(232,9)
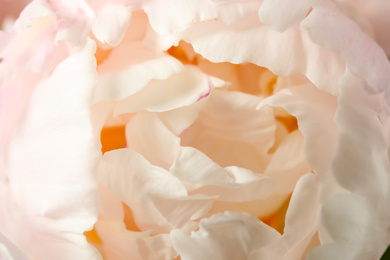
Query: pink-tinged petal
(230,130)
(232,183)
(300,224)
(361,162)
(147,135)
(37,8)
(124,83)
(353,223)
(111,23)
(51,160)
(288,163)
(8,251)
(224,236)
(179,90)
(315,111)
(329,27)
(121,244)
(376,13)
(281,14)
(157,198)
(74,31)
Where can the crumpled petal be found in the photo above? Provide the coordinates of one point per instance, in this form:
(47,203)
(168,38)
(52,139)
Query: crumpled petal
(157,198)
(232,183)
(224,236)
(48,182)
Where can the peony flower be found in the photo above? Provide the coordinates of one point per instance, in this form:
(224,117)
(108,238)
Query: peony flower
(228,130)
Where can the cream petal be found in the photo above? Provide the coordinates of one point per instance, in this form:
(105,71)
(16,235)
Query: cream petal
(281,14)
(315,111)
(51,160)
(224,236)
(300,224)
(121,244)
(124,83)
(232,183)
(288,163)
(157,198)
(111,23)
(265,47)
(173,16)
(181,89)
(147,135)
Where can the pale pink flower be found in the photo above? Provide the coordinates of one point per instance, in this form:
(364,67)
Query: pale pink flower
(250,130)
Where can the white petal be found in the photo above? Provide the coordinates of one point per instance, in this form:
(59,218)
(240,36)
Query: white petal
(224,236)
(361,163)
(8,251)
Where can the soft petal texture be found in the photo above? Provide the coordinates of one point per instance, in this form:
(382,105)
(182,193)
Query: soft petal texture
(8,251)
(265,47)
(181,89)
(361,163)
(231,131)
(111,23)
(315,111)
(121,244)
(292,12)
(48,182)
(157,198)
(361,234)
(158,145)
(364,58)
(173,16)
(376,12)
(123,83)
(224,236)
(229,184)
(300,224)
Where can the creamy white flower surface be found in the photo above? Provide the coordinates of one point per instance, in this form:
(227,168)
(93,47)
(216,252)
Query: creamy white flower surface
(230,130)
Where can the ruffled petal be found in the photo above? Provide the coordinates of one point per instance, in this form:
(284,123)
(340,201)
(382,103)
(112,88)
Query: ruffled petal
(232,183)
(157,198)
(224,236)
(315,111)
